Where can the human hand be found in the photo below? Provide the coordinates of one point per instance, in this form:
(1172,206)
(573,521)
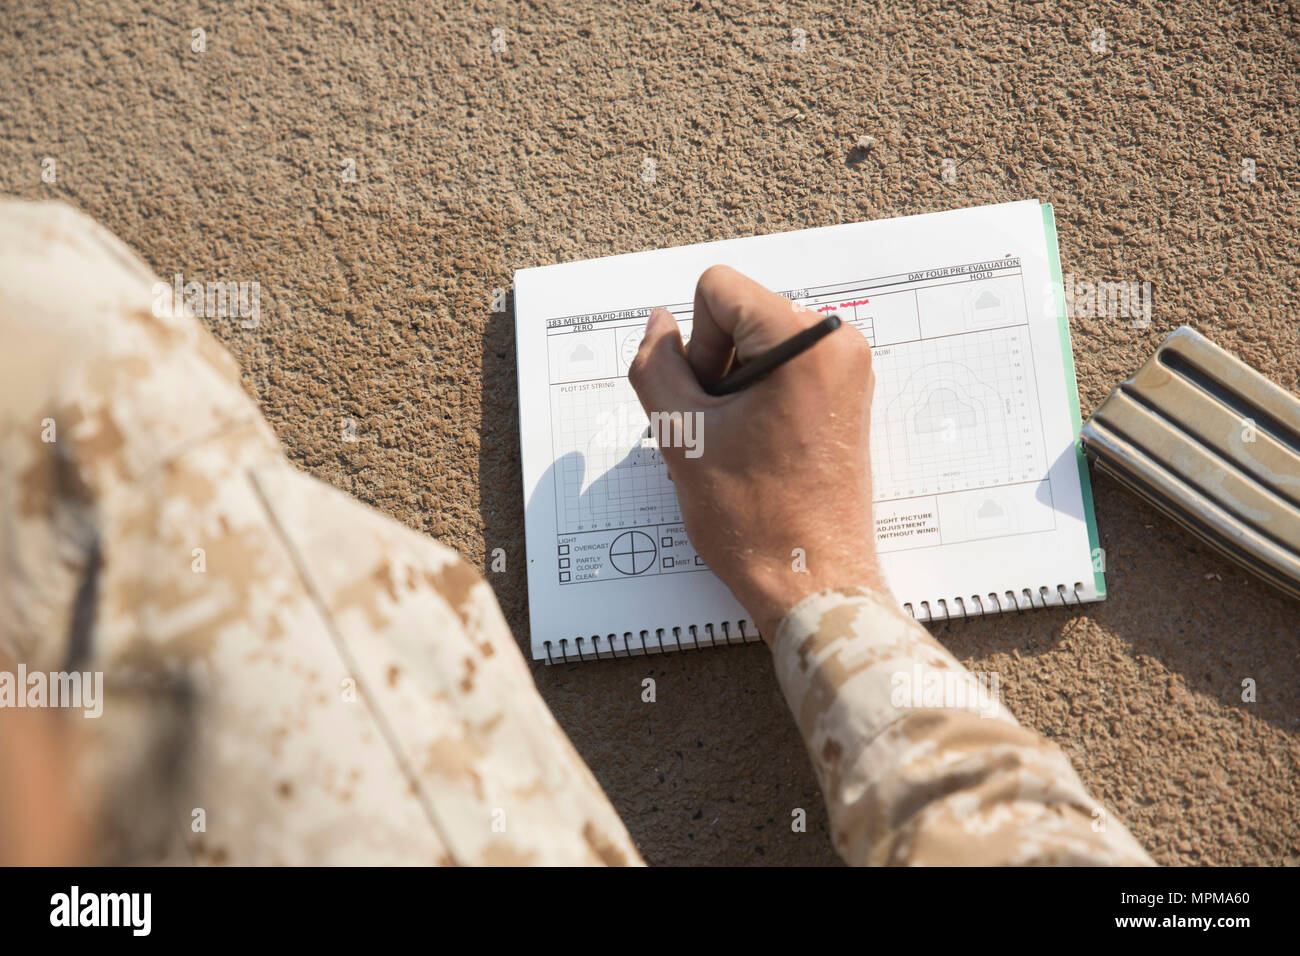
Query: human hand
(776,495)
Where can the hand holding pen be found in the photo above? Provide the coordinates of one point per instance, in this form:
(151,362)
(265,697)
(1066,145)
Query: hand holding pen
(782,481)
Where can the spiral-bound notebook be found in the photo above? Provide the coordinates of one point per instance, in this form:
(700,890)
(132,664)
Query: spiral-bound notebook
(982,501)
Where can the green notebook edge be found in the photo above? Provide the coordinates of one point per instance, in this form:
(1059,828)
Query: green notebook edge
(1067,356)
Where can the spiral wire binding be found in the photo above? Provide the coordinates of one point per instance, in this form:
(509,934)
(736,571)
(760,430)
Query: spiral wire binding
(964,609)
(960,606)
(697,637)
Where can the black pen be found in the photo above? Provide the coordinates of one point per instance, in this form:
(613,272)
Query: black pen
(773,358)
(769,361)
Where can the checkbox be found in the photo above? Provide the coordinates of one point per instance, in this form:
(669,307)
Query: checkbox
(668,562)
(699,562)
(564,562)
(564,549)
(666,541)
(564,576)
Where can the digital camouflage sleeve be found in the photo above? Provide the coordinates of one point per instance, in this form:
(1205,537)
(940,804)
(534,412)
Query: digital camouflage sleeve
(290,677)
(919,764)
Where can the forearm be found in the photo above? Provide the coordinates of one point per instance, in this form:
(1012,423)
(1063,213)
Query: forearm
(914,775)
(42,822)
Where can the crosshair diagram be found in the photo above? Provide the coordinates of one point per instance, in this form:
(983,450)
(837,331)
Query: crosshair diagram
(632,552)
(628,347)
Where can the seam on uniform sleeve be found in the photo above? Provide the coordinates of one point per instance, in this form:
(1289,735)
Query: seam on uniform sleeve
(345,653)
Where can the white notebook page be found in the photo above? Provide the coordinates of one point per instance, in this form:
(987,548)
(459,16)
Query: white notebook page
(979,496)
